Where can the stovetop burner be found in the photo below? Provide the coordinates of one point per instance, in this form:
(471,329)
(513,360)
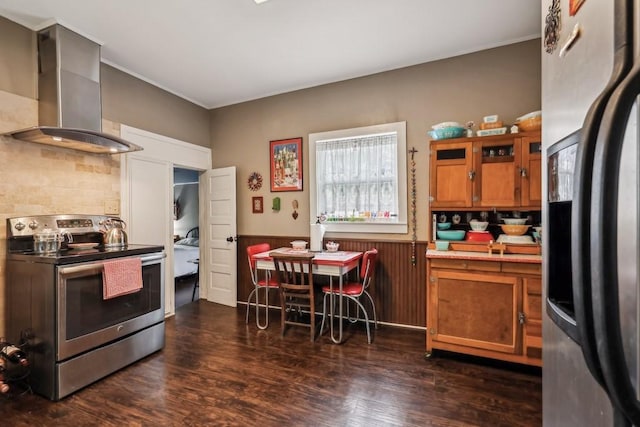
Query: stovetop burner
(87,237)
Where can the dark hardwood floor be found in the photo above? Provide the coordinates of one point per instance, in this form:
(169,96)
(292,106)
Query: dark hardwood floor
(215,370)
(184,290)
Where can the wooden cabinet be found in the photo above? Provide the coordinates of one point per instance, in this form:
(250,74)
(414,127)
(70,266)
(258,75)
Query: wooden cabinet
(485,308)
(489,172)
(532,308)
(450,183)
(531,170)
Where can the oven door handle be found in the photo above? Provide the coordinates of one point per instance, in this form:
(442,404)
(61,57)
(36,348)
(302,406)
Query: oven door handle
(152,257)
(97,267)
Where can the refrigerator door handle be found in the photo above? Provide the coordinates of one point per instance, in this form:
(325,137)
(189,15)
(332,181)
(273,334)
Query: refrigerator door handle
(581,204)
(604,254)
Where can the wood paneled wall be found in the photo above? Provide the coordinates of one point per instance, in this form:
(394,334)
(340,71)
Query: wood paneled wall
(399,290)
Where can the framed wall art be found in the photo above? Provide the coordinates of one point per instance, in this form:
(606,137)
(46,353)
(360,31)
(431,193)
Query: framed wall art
(257,204)
(286,164)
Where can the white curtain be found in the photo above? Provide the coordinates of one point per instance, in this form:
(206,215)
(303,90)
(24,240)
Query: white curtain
(357,177)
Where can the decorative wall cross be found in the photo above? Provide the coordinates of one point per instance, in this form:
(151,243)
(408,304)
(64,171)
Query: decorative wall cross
(414,235)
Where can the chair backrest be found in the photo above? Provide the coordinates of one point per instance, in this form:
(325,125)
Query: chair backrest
(294,272)
(251,251)
(368,268)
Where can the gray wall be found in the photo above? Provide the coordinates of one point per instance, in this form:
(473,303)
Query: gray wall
(503,81)
(131,101)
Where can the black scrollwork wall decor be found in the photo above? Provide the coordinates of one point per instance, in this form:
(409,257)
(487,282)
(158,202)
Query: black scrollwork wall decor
(552,26)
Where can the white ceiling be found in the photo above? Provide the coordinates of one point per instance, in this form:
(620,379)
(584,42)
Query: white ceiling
(221,52)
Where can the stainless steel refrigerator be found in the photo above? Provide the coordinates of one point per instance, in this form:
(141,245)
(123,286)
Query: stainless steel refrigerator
(590,87)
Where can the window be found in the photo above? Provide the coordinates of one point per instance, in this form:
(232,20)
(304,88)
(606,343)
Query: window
(358,179)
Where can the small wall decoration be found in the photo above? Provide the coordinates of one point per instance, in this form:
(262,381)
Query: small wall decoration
(255,181)
(574,5)
(294,205)
(257,204)
(286,164)
(276,204)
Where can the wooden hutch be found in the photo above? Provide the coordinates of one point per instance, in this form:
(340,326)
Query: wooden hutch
(481,302)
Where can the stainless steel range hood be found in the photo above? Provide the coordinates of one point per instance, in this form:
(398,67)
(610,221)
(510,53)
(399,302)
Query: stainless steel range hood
(69,107)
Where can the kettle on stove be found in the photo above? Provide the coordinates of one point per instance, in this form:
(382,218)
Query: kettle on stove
(114,236)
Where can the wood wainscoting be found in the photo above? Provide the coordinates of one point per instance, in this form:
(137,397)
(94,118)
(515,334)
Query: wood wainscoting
(399,290)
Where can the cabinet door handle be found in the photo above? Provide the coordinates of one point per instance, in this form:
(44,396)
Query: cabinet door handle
(472,175)
(523,172)
(522,319)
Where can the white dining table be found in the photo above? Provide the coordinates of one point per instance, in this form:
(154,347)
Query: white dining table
(331,264)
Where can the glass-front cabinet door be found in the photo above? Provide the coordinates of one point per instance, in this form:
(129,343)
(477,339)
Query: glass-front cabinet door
(497,172)
(531,171)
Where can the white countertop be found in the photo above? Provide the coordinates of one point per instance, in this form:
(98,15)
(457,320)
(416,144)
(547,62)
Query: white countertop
(484,256)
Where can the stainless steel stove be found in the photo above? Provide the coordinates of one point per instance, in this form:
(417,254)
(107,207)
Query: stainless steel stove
(56,300)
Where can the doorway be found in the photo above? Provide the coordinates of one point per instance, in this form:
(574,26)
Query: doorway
(147,194)
(186,235)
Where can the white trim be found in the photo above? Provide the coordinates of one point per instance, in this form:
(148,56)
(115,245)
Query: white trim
(164,148)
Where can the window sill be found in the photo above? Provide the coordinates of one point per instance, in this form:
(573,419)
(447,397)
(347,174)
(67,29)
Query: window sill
(365,227)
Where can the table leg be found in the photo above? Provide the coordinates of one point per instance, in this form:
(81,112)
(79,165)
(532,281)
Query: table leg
(337,340)
(267,277)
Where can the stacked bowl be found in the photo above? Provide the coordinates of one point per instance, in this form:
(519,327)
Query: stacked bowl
(451,234)
(514,226)
(478,225)
(478,231)
(446,130)
(514,229)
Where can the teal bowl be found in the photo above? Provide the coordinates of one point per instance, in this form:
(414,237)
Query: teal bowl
(447,133)
(444,225)
(442,245)
(451,234)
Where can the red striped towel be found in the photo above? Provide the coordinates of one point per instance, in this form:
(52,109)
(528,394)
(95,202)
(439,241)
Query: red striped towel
(121,277)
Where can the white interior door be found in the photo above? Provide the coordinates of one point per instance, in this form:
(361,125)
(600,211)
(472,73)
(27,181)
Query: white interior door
(218,228)
(148,216)
(148,179)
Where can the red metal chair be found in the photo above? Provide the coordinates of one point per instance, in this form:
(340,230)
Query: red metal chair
(258,284)
(354,290)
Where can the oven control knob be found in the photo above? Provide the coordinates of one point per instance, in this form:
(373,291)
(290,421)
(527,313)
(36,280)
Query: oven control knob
(19,226)
(33,225)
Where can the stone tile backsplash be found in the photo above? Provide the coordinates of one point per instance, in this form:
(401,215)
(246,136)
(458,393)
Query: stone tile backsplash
(38,179)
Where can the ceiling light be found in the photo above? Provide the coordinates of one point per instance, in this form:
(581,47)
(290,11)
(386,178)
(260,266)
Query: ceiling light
(259,1)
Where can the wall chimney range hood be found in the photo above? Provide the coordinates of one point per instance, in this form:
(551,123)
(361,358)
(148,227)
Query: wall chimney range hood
(69,107)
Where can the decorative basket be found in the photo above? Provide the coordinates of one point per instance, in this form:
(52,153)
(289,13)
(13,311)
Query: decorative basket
(530,124)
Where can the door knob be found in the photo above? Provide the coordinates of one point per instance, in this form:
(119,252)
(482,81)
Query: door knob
(230,239)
